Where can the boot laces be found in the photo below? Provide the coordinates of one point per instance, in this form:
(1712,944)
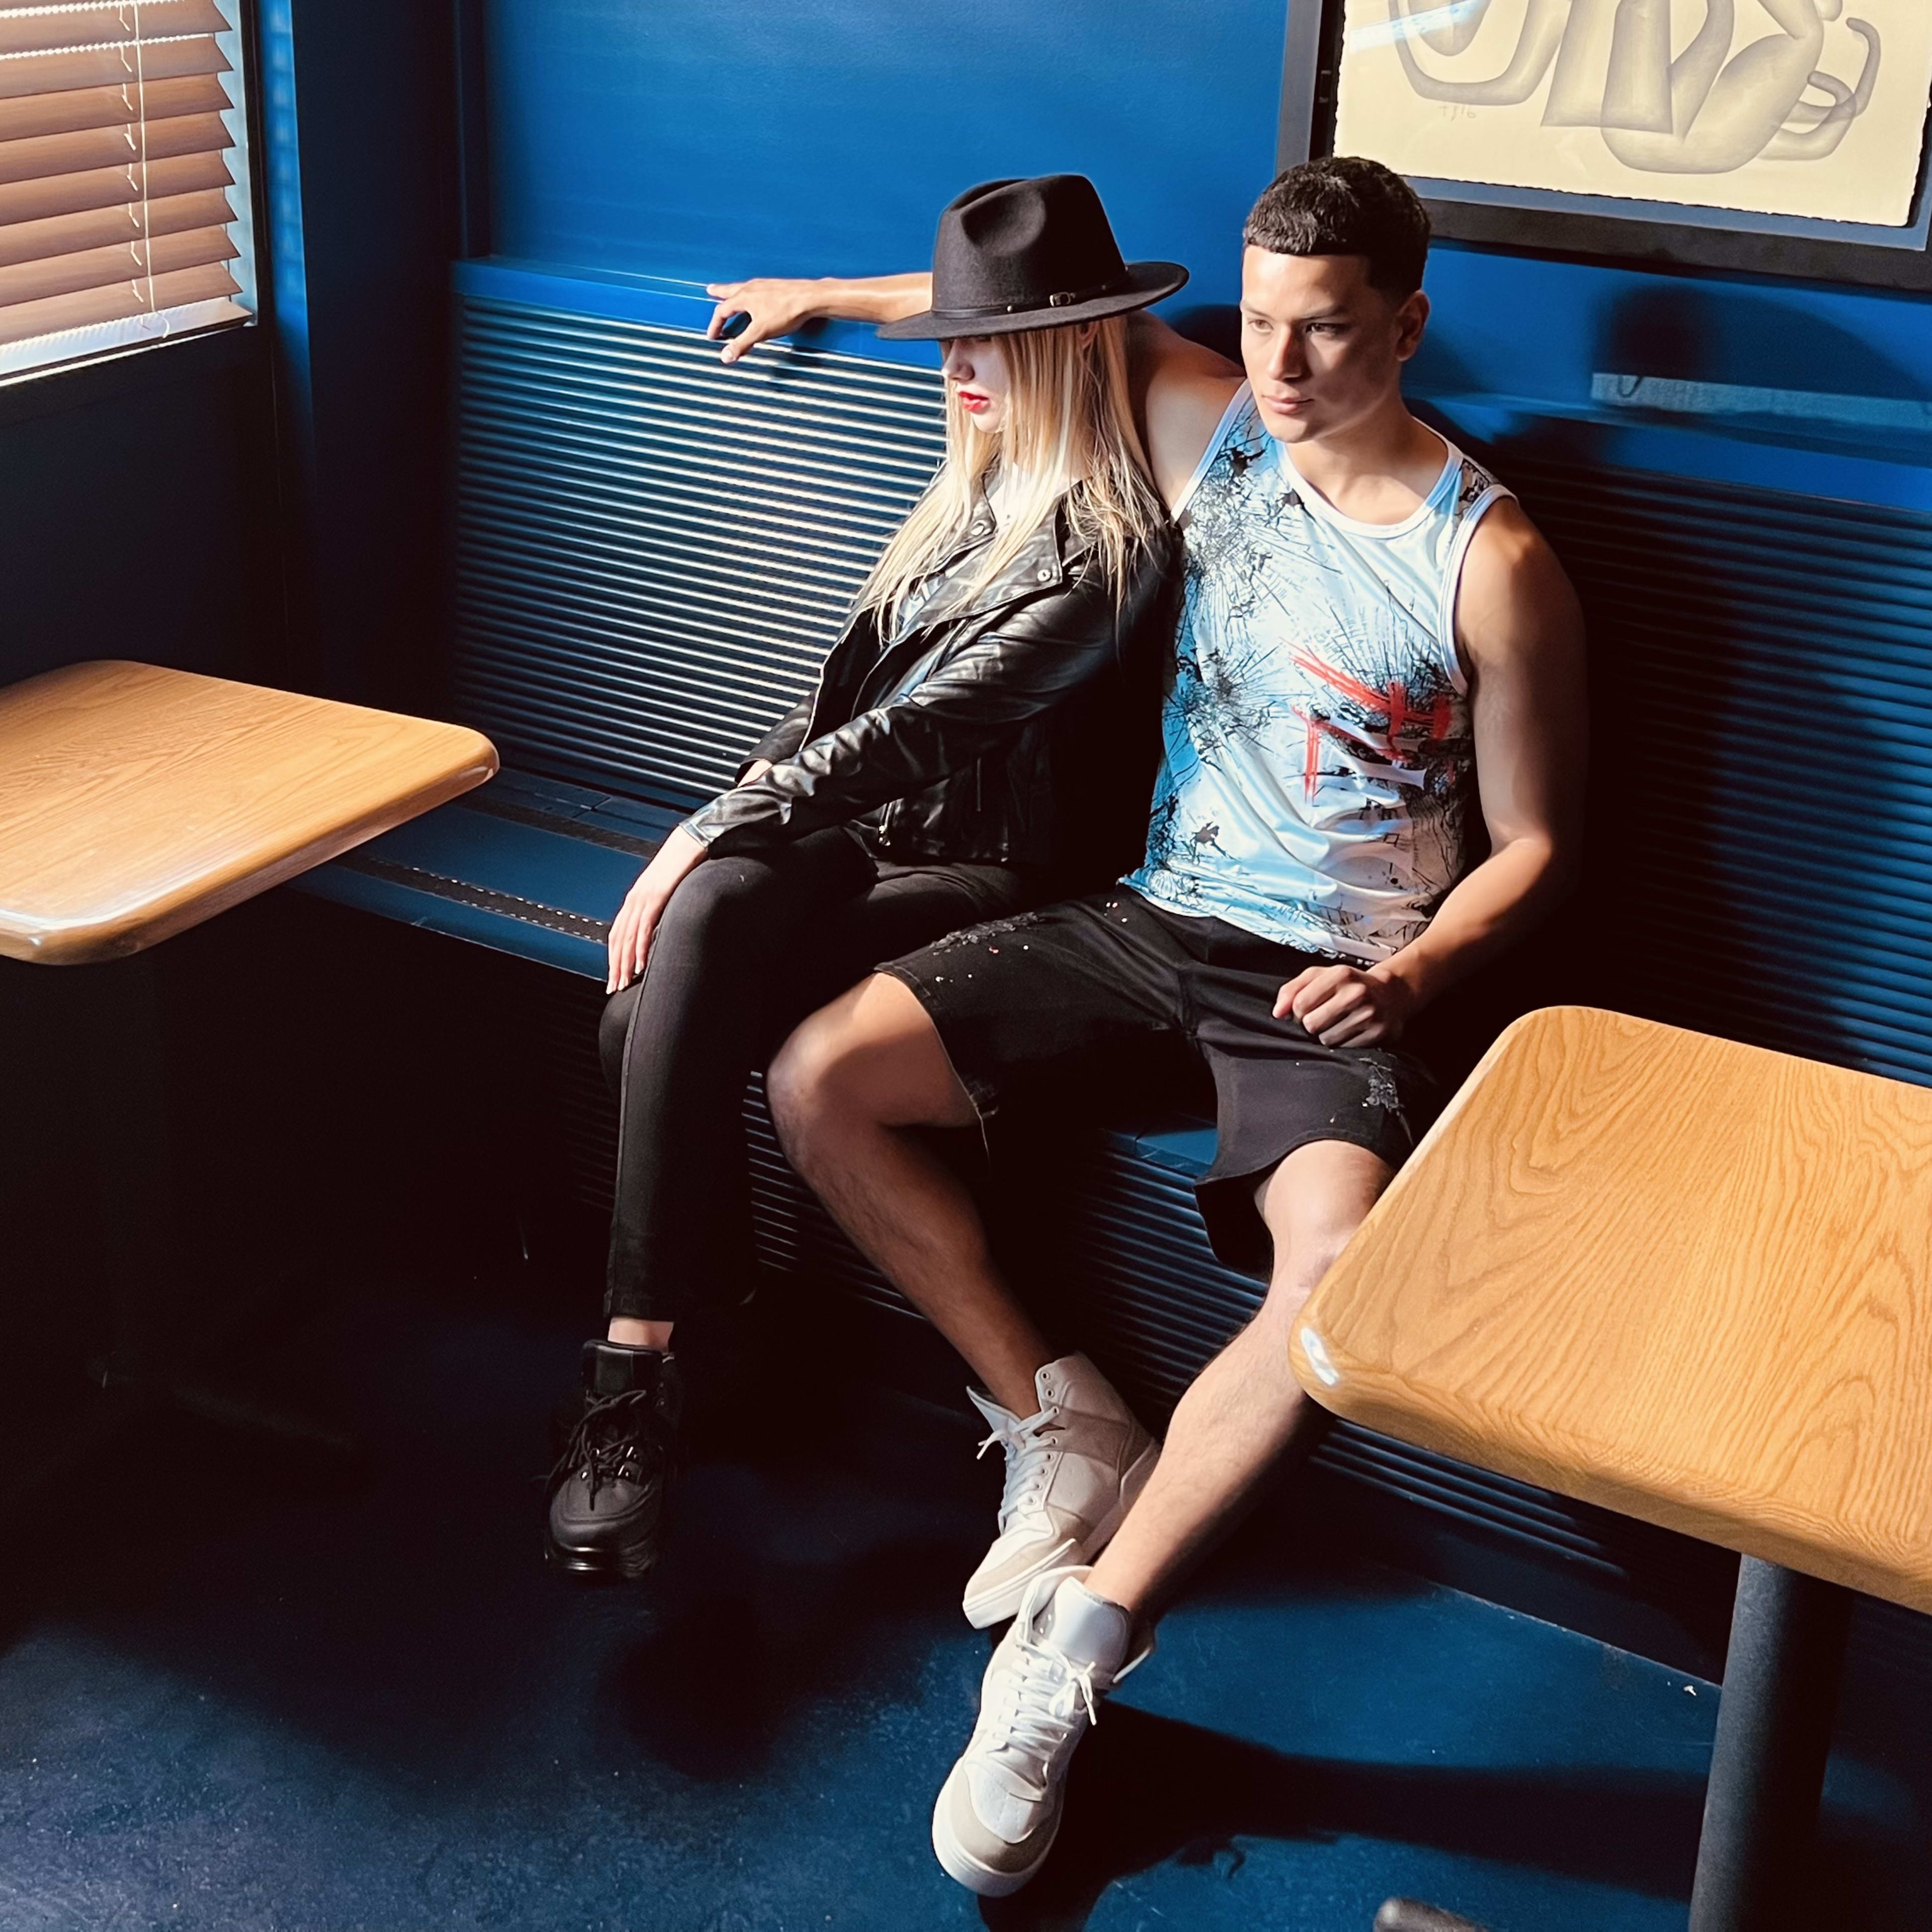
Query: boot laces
(1044,1698)
(606,1446)
(1030,1451)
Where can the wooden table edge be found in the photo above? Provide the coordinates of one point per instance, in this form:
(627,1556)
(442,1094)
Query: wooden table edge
(87,944)
(1720,1522)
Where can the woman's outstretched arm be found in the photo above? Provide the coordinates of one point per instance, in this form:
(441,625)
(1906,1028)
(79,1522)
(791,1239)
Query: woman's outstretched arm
(776,305)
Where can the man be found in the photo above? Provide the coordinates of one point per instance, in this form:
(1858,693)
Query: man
(1374,638)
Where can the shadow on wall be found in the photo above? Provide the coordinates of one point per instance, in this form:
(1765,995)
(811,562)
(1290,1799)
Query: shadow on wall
(1758,661)
(1687,333)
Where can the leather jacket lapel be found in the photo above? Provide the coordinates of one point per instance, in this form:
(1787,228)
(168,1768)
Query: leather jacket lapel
(1038,566)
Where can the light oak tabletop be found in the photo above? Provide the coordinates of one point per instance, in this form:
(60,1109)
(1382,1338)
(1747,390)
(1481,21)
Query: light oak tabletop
(1687,1279)
(135,802)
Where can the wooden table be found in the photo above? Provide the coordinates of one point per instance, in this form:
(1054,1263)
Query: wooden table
(1690,1281)
(136,802)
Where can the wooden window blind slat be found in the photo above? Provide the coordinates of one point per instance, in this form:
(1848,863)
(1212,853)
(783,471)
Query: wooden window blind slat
(110,187)
(94,267)
(117,132)
(27,75)
(103,227)
(30,30)
(122,302)
(70,112)
(111,147)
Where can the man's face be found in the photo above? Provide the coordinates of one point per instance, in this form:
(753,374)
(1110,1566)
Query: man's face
(1323,348)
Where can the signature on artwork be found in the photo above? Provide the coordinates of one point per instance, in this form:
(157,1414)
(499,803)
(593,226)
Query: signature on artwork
(1609,65)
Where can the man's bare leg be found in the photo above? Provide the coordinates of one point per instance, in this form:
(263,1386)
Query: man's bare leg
(847,1091)
(1244,1410)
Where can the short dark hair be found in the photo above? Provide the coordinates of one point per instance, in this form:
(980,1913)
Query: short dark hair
(1342,205)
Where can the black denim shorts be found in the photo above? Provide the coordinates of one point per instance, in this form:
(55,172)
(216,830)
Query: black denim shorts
(1014,996)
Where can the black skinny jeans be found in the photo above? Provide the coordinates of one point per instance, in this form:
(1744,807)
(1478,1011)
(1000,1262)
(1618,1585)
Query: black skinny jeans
(747,947)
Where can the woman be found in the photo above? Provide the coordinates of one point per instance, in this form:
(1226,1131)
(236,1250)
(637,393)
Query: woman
(982,737)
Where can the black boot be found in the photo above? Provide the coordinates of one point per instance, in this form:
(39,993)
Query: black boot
(609,1489)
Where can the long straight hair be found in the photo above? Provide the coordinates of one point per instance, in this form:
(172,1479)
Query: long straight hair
(1069,435)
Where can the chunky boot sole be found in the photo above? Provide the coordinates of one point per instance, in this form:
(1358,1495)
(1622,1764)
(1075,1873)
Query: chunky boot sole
(995,1607)
(963,1868)
(598,1564)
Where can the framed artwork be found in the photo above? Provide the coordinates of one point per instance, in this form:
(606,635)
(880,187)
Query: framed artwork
(1781,136)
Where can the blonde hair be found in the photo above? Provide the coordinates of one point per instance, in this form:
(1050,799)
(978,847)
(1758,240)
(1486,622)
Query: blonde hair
(1069,435)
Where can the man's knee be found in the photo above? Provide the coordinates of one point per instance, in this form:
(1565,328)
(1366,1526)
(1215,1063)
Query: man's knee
(871,1057)
(807,1073)
(1313,1203)
(1300,1264)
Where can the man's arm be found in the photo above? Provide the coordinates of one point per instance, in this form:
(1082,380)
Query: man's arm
(1522,631)
(1180,390)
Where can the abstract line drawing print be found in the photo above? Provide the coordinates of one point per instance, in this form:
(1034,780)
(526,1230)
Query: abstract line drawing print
(1729,93)
(1699,113)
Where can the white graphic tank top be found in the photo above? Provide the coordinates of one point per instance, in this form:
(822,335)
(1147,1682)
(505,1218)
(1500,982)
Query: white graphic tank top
(1318,764)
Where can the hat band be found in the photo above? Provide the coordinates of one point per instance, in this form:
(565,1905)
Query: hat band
(1067,298)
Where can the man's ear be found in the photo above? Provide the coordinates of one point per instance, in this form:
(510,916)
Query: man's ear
(1410,319)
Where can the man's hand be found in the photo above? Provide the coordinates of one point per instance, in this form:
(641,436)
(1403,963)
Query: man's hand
(636,924)
(1347,1006)
(775,306)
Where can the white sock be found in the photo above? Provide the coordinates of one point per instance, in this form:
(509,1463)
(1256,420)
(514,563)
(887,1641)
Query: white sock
(1089,1629)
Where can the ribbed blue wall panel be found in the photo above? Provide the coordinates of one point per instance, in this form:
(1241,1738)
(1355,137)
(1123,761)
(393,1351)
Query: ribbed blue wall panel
(1761,849)
(653,552)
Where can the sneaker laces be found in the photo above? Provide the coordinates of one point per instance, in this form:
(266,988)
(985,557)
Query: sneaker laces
(606,1441)
(1029,1453)
(1043,1700)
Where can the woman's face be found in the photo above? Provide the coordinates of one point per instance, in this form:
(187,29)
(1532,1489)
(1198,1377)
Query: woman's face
(975,369)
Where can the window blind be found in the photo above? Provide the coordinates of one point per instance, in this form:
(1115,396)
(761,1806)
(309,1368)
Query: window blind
(120,144)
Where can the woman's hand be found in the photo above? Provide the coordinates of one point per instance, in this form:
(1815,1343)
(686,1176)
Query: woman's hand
(778,305)
(774,305)
(755,770)
(636,924)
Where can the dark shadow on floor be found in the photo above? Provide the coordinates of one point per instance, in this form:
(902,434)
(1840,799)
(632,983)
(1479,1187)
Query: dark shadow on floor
(1147,1788)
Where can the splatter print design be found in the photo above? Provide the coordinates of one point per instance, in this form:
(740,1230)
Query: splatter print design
(1318,767)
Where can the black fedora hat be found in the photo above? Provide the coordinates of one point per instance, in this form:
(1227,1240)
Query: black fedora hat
(1026,254)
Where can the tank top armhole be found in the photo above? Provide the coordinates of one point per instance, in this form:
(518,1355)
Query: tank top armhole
(1236,403)
(1452,576)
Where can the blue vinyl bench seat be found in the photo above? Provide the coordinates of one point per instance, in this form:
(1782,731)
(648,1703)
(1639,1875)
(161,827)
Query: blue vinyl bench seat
(527,866)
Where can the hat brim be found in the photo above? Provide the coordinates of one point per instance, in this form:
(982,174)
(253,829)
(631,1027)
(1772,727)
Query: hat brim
(1146,282)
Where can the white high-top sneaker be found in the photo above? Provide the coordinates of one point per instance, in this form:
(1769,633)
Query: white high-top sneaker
(999,1809)
(1073,1470)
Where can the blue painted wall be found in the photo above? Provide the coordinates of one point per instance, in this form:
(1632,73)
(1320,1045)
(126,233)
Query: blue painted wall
(822,136)
(796,137)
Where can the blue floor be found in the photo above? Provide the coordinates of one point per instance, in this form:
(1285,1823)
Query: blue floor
(302,1699)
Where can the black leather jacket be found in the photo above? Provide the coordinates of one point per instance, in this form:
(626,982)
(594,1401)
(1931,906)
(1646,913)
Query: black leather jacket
(1031,740)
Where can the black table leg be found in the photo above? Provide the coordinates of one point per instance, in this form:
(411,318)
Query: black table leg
(1781,1679)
